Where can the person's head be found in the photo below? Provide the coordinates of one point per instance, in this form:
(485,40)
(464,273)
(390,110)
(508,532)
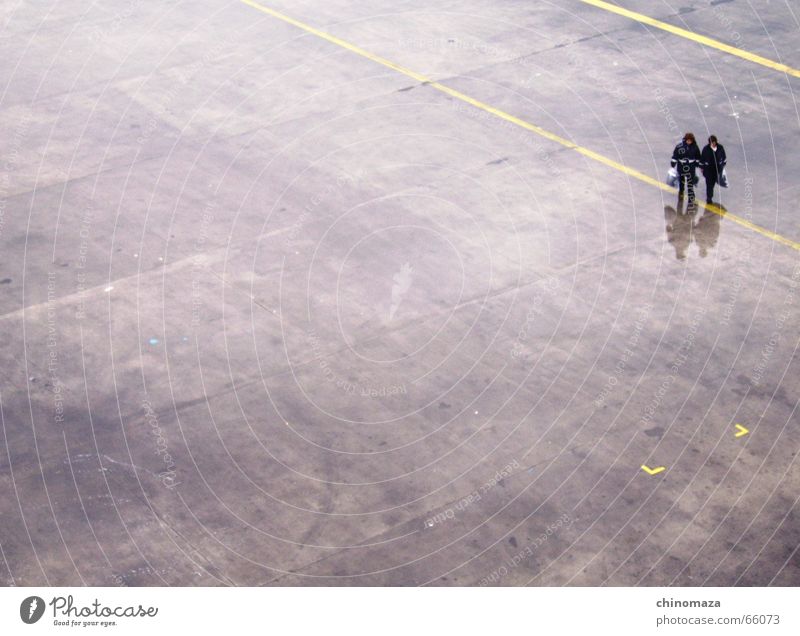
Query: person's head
(688,138)
(713,141)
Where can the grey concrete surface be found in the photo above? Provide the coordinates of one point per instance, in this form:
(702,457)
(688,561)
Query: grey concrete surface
(274,314)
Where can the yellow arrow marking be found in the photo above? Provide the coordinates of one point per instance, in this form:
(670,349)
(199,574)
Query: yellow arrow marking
(742,431)
(653,471)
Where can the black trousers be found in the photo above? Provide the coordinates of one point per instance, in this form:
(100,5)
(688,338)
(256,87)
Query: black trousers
(711,181)
(687,183)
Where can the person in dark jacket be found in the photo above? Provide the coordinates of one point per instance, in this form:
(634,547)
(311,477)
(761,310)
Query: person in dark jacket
(686,159)
(712,161)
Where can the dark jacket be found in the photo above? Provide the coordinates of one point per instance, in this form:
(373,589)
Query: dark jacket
(686,157)
(712,162)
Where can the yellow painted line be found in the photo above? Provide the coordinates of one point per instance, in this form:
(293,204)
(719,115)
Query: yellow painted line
(689,35)
(591,154)
(653,471)
(338,41)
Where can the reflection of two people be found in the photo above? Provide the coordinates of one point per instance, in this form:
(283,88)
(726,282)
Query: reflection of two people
(683,229)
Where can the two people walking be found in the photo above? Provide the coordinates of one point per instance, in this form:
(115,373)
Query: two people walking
(687,157)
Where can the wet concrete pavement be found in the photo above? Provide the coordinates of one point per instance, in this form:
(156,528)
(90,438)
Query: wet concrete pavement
(274,314)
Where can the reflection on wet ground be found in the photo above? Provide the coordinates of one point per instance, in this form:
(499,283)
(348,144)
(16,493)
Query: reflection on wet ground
(698,225)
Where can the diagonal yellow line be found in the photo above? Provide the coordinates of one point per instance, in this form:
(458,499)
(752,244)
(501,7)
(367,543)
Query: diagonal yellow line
(689,35)
(591,154)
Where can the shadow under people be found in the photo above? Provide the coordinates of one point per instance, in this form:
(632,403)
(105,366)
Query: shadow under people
(706,229)
(685,228)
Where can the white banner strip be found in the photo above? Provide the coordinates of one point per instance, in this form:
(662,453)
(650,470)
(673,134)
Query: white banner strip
(398,611)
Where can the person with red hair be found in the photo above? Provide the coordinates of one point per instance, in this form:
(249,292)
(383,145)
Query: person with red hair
(686,158)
